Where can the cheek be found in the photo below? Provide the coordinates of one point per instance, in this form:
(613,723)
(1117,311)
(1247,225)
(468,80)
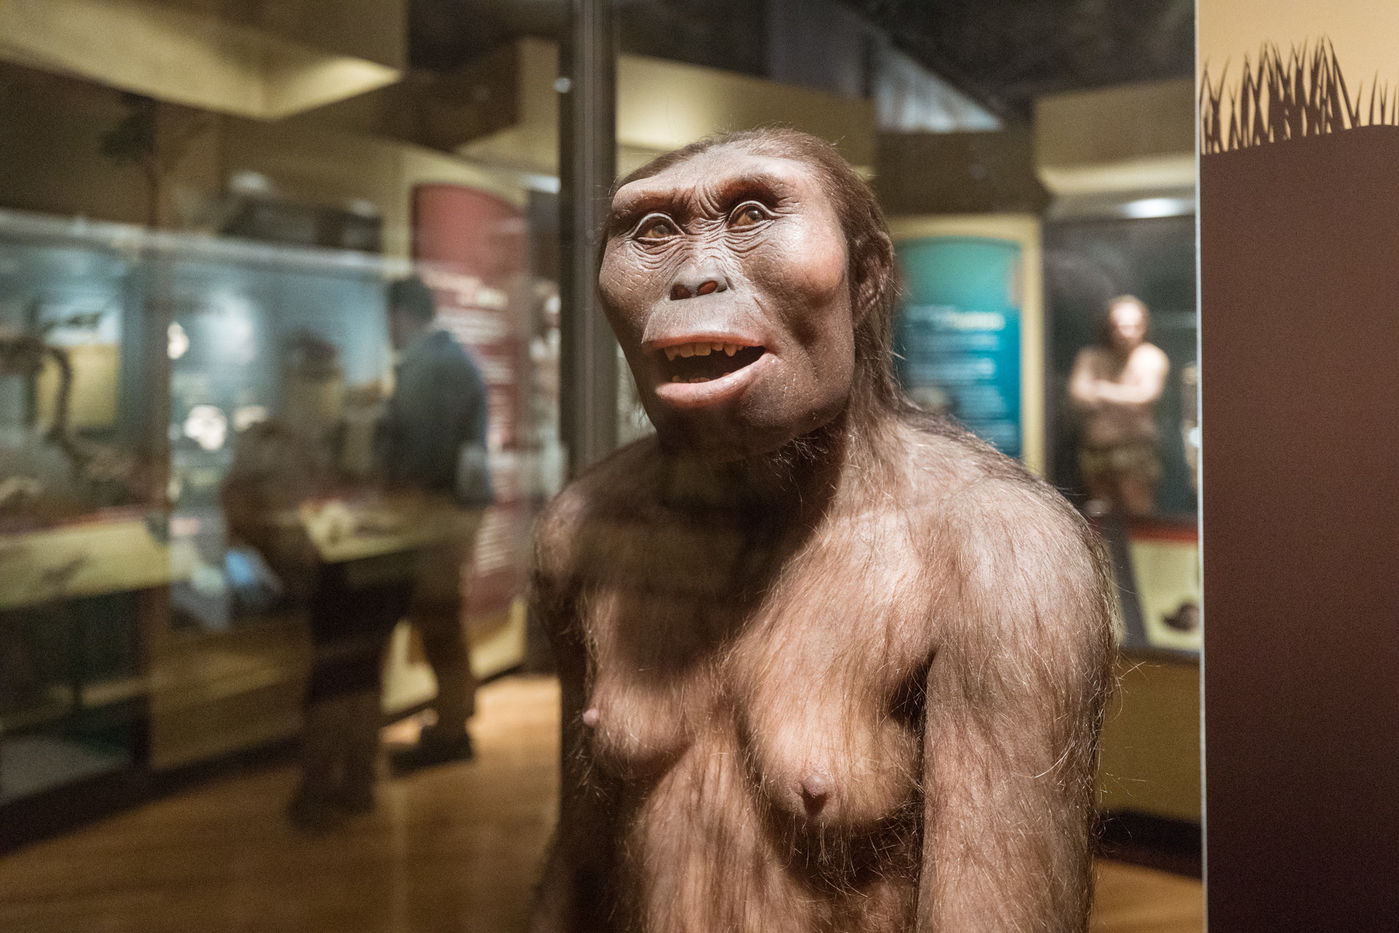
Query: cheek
(804,272)
(625,286)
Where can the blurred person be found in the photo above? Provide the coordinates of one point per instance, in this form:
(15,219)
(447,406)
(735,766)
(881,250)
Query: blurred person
(281,467)
(1115,385)
(433,446)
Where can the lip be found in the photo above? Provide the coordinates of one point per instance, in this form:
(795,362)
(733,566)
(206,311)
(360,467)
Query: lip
(688,396)
(655,345)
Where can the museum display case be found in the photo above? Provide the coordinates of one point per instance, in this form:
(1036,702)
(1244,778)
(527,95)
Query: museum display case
(138,630)
(194,244)
(163,271)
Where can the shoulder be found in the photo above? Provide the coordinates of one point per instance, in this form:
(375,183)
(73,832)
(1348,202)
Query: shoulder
(1003,524)
(608,494)
(1152,355)
(1026,579)
(1037,581)
(440,350)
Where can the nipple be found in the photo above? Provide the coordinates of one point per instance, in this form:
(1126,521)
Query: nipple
(591,717)
(816,789)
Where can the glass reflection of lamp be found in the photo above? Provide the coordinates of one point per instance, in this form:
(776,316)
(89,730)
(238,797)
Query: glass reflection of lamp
(177,341)
(207,426)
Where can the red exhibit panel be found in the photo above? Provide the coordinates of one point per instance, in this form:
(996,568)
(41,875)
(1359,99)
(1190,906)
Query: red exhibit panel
(470,248)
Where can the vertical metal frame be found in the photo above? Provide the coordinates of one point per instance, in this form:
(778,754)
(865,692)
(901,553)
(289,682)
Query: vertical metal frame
(587,165)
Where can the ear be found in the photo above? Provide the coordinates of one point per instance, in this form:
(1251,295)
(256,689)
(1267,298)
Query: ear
(873,271)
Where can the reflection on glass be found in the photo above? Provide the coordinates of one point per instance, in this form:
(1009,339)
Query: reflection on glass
(218,193)
(1114,386)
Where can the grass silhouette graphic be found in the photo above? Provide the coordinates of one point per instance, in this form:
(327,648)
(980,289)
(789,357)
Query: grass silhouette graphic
(1282,98)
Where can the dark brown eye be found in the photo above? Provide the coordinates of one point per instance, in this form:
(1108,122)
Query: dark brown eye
(655,227)
(748,214)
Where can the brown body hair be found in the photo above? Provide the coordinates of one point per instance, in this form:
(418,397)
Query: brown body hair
(855,683)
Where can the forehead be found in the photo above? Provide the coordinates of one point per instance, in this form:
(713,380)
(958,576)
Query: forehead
(1126,312)
(710,173)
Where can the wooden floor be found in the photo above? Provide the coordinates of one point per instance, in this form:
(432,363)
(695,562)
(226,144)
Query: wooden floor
(451,849)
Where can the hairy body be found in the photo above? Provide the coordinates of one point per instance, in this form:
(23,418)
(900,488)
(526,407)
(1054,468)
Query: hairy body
(848,679)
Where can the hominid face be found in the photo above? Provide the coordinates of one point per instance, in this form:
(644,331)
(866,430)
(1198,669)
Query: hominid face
(1127,326)
(725,279)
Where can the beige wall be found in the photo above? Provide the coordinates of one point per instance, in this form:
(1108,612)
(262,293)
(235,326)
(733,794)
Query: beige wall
(265,60)
(50,150)
(335,168)
(1137,137)
(1151,741)
(53,160)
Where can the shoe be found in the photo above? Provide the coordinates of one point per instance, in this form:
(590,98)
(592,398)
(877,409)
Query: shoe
(355,801)
(433,748)
(313,813)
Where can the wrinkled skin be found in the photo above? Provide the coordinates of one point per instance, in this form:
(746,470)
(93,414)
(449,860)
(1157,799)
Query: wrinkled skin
(737,248)
(827,664)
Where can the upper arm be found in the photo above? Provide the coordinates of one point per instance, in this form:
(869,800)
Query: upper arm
(579,859)
(1149,375)
(553,596)
(1015,698)
(1158,370)
(1081,378)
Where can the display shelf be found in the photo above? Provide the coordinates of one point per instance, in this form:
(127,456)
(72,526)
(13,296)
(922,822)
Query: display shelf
(112,552)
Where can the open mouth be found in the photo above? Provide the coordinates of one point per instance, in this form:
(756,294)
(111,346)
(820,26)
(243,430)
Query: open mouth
(707,361)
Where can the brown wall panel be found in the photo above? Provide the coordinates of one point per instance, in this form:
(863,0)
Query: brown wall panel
(1300,323)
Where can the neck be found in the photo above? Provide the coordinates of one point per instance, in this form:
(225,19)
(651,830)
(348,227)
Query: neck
(414,333)
(797,483)
(1123,351)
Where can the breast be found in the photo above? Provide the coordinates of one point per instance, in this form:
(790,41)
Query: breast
(824,683)
(652,684)
(637,729)
(828,759)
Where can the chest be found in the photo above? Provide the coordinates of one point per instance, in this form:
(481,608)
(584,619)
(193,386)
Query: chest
(1131,368)
(809,672)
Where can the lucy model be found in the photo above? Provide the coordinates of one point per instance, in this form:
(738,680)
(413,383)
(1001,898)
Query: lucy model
(827,663)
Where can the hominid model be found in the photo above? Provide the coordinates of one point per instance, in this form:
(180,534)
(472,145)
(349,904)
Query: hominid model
(827,663)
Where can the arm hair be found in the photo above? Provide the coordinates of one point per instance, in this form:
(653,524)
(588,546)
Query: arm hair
(1016,693)
(578,869)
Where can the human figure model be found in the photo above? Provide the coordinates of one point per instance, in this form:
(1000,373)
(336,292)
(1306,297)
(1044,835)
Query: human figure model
(1115,386)
(828,663)
(434,446)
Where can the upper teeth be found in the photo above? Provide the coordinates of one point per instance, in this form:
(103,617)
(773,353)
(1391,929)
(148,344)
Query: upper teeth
(702,349)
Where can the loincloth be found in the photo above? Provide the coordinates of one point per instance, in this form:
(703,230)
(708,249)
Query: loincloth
(1136,459)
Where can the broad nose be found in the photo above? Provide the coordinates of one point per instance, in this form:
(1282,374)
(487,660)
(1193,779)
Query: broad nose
(695,280)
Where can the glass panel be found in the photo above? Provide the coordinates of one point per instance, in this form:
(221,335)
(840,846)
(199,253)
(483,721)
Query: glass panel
(249,500)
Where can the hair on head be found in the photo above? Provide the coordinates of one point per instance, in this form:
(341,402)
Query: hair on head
(1105,328)
(413,296)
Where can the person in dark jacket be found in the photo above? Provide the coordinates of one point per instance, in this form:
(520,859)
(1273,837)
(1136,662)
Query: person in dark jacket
(434,444)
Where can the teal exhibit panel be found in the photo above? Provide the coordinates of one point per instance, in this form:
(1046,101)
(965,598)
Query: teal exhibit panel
(957,334)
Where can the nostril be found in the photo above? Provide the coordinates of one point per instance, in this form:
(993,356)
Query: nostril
(679,292)
(707,287)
